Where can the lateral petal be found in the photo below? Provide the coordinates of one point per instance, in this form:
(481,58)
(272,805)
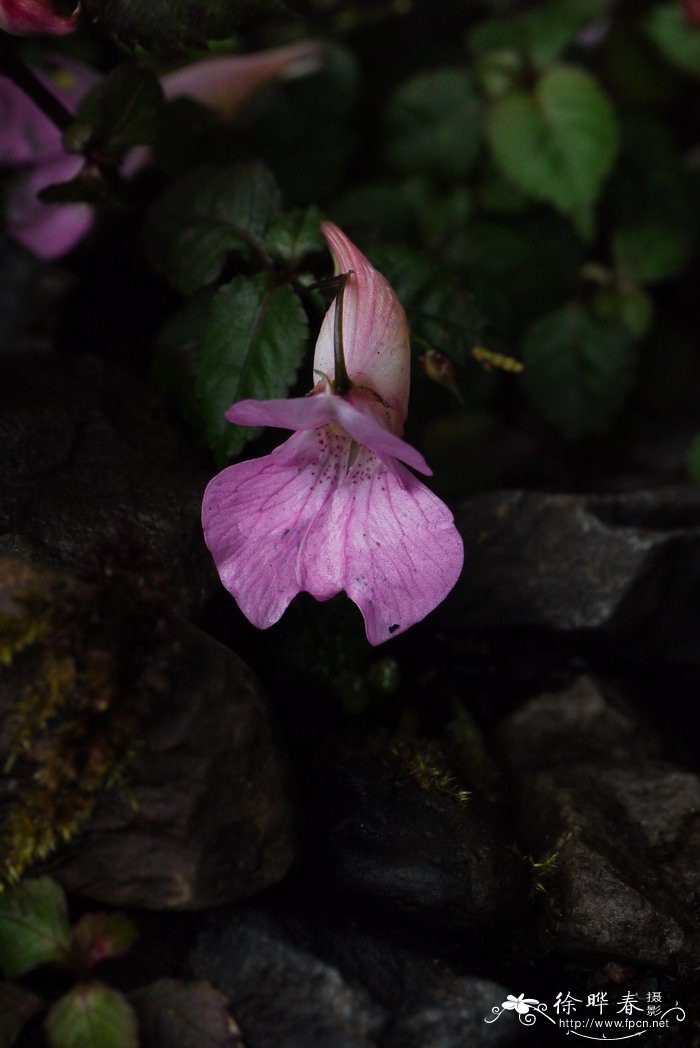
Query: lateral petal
(293,413)
(388,541)
(256,515)
(47,230)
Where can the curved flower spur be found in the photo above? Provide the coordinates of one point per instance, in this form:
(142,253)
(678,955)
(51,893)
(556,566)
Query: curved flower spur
(334,508)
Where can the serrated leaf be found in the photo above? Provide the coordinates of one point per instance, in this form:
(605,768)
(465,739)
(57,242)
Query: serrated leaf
(17,1006)
(97,936)
(578,369)
(675,36)
(92,1015)
(295,235)
(650,251)
(254,343)
(122,110)
(176,1014)
(34,927)
(170,25)
(557,143)
(433,124)
(206,215)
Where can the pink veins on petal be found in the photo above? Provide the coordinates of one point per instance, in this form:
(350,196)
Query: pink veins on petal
(324,513)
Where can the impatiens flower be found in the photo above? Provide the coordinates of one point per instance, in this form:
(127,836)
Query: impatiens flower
(334,507)
(24,17)
(520,1004)
(29,139)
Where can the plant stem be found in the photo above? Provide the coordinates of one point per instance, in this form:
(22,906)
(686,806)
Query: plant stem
(341,381)
(12,66)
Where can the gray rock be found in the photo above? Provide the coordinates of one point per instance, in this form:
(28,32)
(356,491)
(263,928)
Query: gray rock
(584,722)
(86,453)
(627,841)
(208,818)
(299,979)
(282,995)
(623,565)
(418,854)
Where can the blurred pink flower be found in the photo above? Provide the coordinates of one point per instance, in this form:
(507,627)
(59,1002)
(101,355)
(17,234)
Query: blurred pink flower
(24,17)
(334,508)
(29,139)
(692,11)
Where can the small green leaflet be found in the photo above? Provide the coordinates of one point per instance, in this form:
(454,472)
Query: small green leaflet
(34,927)
(676,38)
(253,345)
(92,1015)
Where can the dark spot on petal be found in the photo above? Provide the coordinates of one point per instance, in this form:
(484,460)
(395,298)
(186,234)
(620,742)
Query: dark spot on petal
(393,629)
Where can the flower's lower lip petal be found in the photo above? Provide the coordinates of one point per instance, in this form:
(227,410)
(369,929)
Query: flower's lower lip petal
(387,541)
(48,230)
(359,421)
(255,516)
(295,413)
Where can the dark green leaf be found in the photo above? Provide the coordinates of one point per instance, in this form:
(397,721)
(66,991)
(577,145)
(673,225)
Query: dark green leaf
(295,235)
(207,214)
(541,34)
(578,369)
(97,936)
(170,25)
(122,110)
(650,251)
(88,187)
(33,926)
(175,1014)
(92,1015)
(254,344)
(694,459)
(558,143)
(17,1006)
(631,307)
(433,124)
(673,34)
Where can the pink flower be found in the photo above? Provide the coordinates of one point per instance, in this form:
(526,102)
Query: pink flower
(334,508)
(28,138)
(692,11)
(24,17)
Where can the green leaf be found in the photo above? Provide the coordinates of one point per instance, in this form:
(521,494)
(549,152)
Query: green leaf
(206,215)
(578,370)
(98,936)
(631,307)
(254,343)
(694,459)
(34,927)
(650,251)
(92,1015)
(175,1014)
(122,110)
(557,143)
(170,25)
(676,38)
(17,1006)
(541,35)
(433,124)
(295,235)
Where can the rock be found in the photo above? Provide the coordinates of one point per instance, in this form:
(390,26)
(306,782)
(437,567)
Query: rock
(208,818)
(281,994)
(89,454)
(625,566)
(311,976)
(423,856)
(114,687)
(586,721)
(627,841)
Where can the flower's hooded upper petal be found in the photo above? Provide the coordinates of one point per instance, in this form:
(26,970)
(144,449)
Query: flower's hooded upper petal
(375,329)
(48,230)
(354,414)
(24,17)
(226,82)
